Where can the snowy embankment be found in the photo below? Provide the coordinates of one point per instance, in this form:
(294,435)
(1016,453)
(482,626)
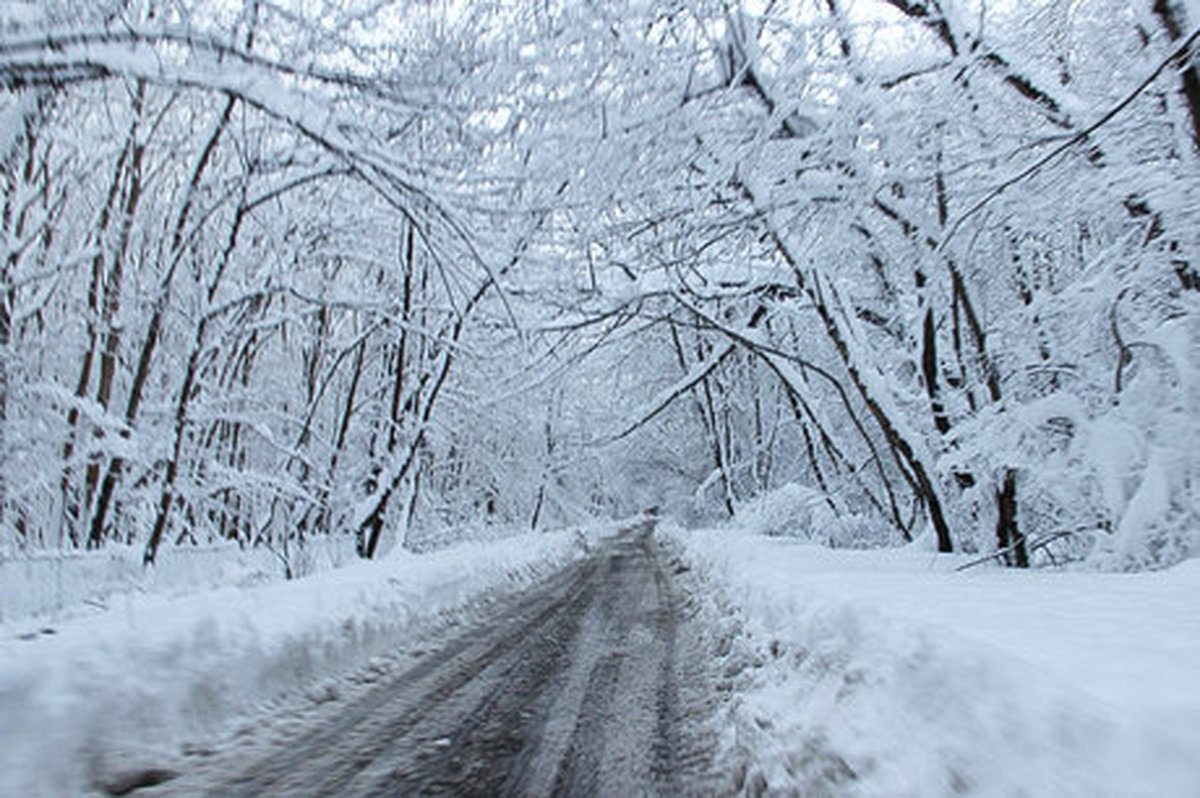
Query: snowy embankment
(163,670)
(884,673)
(55,586)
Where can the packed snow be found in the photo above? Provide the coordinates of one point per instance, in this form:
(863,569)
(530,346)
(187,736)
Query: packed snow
(154,671)
(886,673)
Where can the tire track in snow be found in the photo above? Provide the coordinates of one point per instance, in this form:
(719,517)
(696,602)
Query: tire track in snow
(578,687)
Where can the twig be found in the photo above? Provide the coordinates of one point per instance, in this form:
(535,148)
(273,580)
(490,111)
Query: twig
(1039,543)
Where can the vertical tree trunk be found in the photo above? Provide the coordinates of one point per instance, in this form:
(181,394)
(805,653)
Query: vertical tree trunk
(1174,22)
(72,511)
(154,332)
(6,306)
(929,369)
(9,230)
(1009,538)
(111,304)
(719,429)
(322,523)
(14,226)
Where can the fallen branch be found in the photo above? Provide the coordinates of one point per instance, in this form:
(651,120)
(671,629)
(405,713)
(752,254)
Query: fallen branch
(1039,543)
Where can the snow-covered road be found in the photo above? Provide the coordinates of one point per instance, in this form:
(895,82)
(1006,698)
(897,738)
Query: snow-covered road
(588,662)
(153,679)
(585,685)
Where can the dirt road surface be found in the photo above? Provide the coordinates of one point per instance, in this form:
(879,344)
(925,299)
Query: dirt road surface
(588,685)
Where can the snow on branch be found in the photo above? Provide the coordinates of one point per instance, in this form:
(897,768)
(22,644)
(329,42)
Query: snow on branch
(1179,56)
(696,375)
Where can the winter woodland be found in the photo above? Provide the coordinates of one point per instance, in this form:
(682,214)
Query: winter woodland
(869,271)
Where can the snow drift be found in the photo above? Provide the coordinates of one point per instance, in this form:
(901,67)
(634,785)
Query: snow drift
(163,670)
(881,674)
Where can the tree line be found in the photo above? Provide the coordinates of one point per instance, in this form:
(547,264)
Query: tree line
(396,267)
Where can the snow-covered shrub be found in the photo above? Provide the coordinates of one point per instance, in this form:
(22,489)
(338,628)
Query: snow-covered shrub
(800,511)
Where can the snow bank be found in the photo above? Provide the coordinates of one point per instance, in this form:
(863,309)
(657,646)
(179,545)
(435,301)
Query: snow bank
(54,586)
(172,668)
(883,673)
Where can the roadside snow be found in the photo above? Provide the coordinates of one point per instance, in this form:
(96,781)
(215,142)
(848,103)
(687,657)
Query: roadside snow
(884,673)
(48,588)
(162,670)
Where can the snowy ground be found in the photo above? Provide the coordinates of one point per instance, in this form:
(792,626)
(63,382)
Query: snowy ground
(51,587)
(884,673)
(142,675)
(879,673)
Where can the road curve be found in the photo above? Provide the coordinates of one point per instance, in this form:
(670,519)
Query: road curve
(579,687)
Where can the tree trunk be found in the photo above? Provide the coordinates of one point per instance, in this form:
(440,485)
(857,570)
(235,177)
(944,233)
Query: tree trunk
(111,304)
(71,501)
(154,330)
(1009,538)
(1174,22)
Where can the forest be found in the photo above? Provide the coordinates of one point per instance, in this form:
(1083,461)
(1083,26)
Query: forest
(874,271)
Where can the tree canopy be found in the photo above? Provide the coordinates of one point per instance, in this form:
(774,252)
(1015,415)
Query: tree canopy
(895,268)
